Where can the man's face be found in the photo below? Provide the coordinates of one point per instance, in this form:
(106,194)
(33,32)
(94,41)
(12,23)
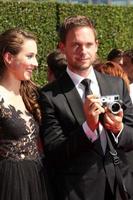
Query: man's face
(80,49)
(128,67)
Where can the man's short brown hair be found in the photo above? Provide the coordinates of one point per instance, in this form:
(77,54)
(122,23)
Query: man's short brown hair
(74,22)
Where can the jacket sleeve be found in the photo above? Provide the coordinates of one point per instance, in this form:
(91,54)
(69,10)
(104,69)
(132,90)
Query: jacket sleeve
(63,140)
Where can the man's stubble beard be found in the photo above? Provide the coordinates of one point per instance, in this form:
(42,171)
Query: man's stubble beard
(83,68)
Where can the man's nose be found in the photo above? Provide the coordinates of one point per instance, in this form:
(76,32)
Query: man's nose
(84,49)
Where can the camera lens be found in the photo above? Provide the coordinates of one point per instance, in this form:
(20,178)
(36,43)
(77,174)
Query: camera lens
(115,107)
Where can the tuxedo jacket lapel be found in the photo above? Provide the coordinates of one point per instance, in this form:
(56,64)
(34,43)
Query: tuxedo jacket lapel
(104,85)
(71,95)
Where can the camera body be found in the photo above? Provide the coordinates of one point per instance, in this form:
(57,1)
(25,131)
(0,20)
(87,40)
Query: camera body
(113,103)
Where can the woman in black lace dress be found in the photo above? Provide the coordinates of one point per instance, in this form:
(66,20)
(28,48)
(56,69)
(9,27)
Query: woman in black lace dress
(21,170)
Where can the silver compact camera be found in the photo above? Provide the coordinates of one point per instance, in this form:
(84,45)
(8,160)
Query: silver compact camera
(113,103)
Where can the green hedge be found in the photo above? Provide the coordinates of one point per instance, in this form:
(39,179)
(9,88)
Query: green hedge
(38,18)
(113,24)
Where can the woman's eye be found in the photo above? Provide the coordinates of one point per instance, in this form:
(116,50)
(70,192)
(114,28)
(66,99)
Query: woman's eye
(29,56)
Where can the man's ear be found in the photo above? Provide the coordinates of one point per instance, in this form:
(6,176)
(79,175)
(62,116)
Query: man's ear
(8,58)
(62,47)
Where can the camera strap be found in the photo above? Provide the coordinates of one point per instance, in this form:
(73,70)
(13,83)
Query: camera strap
(122,189)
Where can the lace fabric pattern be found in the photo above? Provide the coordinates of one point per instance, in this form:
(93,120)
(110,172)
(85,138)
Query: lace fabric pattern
(25,148)
(18,137)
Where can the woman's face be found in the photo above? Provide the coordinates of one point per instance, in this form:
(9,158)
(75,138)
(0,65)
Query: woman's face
(23,64)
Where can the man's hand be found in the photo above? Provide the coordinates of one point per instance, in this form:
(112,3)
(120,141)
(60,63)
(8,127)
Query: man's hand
(113,122)
(92,109)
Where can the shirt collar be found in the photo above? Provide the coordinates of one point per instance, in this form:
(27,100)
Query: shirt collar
(77,78)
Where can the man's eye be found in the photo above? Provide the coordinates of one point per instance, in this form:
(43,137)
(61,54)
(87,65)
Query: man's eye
(89,45)
(76,46)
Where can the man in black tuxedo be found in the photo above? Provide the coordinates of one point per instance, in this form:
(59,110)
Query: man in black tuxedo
(76,147)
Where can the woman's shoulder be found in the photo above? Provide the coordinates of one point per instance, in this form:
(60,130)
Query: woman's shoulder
(1,98)
(2,93)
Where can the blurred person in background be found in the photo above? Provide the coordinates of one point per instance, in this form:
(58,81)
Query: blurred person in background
(114,69)
(116,55)
(56,64)
(128,68)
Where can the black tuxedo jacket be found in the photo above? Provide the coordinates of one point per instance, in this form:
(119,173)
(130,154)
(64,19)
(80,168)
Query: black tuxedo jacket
(78,167)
